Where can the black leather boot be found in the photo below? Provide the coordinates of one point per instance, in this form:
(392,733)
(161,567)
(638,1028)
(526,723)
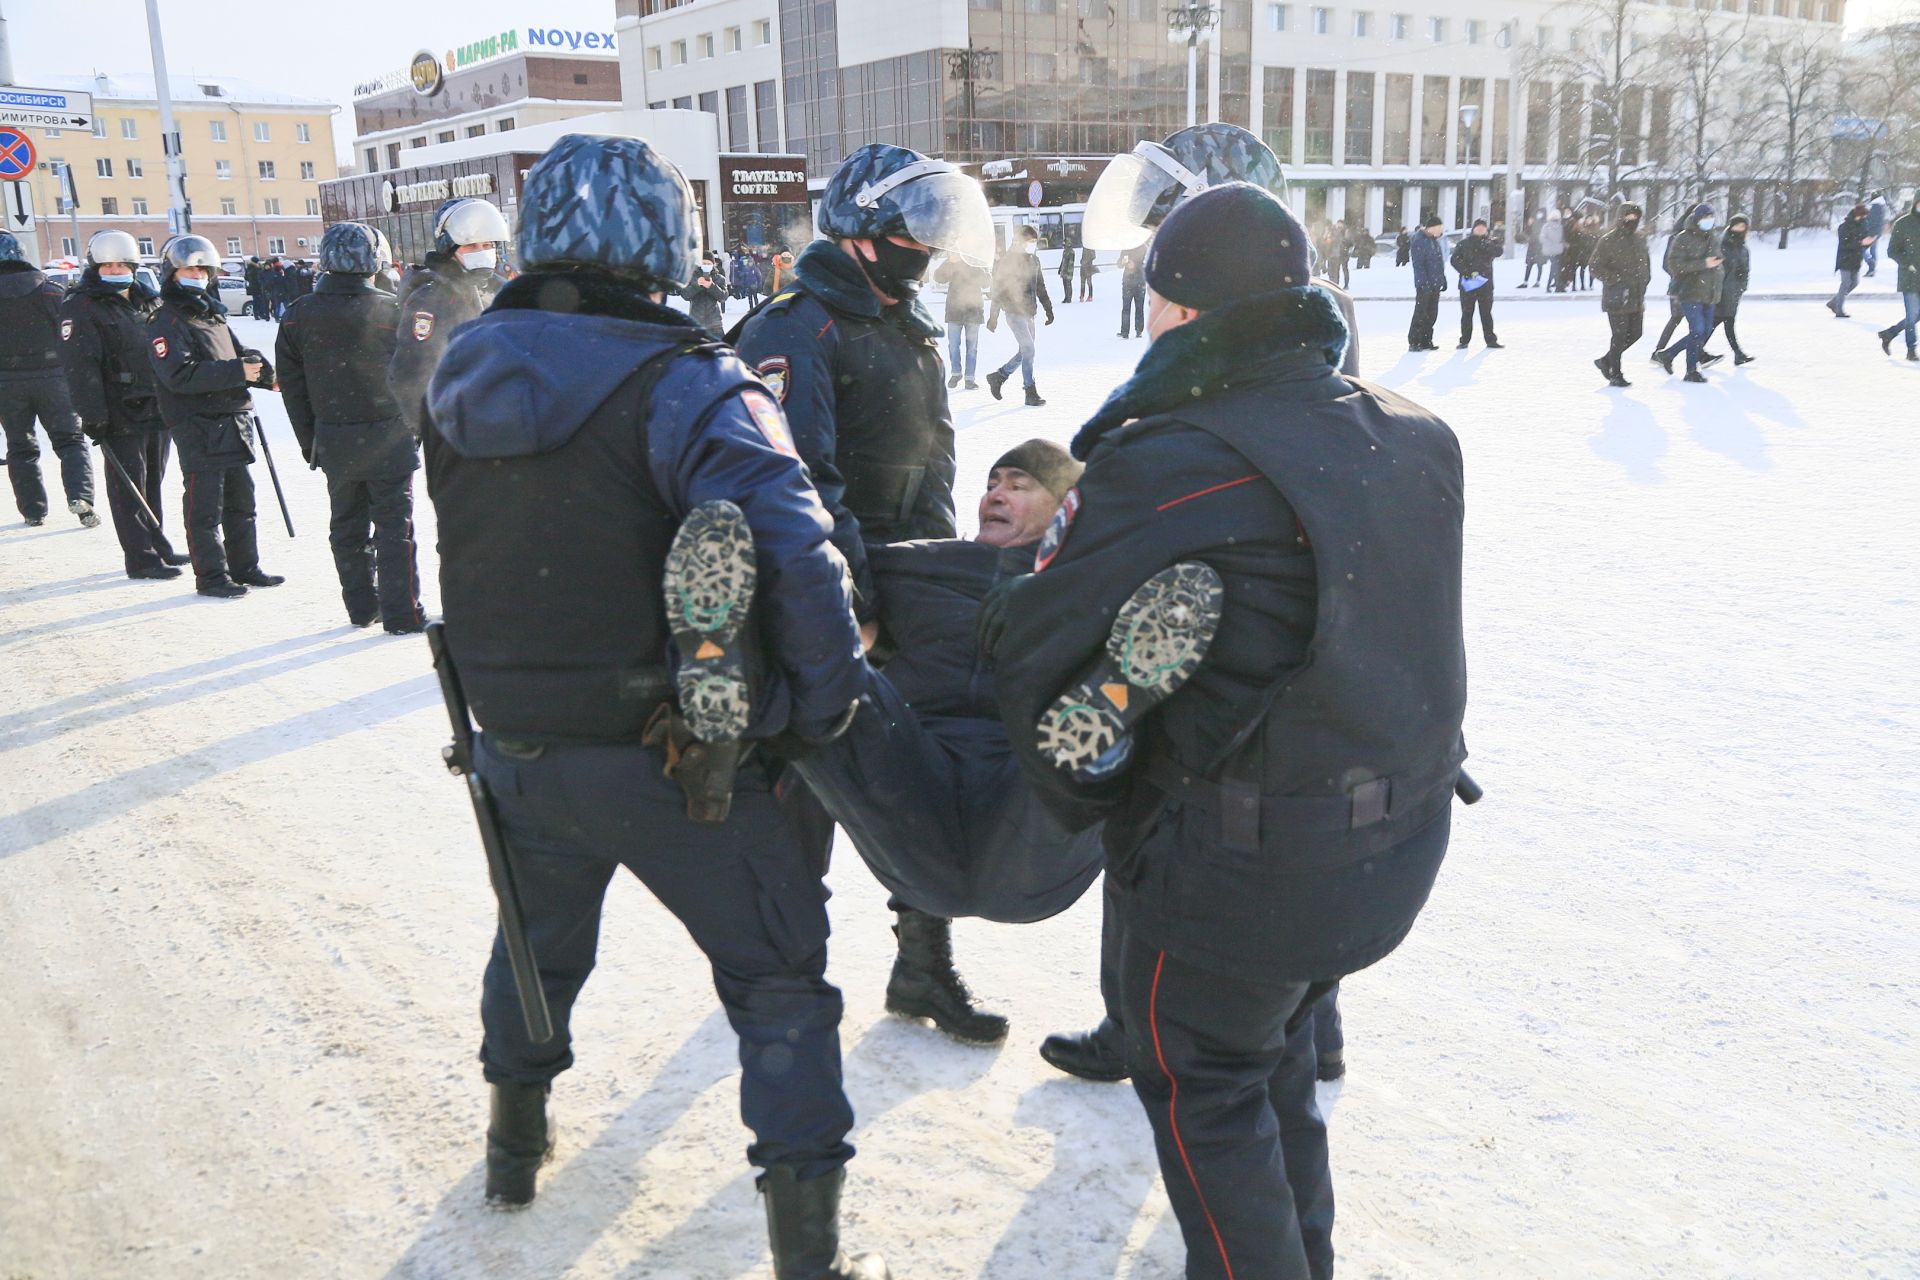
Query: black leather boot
(803,1228)
(924,984)
(519,1141)
(1099,1054)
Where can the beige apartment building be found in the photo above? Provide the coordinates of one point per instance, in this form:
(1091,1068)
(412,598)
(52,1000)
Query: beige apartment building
(255,158)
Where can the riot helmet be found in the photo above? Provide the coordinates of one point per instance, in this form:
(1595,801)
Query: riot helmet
(112,246)
(189,251)
(10,250)
(353,249)
(883,190)
(468,220)
(612,203)
(1141,188)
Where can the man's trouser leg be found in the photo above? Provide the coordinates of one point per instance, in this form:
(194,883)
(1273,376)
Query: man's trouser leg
(953,347)
(742,889)
(1209,1056)
(1303,1136)
(1675,316)
(1912,322)
(23,448)
(237,522)
(140,545)
(205,499)
(1022,328)
(1849,281)
(53,403)
(1699,317)
(396,557)
(348,526)
(1483,299)
(1627,326)
(158,445)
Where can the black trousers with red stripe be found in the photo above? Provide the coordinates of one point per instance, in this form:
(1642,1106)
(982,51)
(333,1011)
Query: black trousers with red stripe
(1230,1095)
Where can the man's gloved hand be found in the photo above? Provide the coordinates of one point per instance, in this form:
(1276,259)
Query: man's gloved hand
(95,431)
(1049,317)
(993,614)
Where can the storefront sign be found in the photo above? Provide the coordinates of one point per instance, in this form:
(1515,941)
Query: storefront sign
(434,190)
(763,179)
(473,52)
(425,74)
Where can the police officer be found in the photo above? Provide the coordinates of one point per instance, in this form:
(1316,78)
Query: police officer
(203,375)
(103,348)
(452,287)
(1278,820)
(854,359)
(33,386)
(332,353)
(581,413)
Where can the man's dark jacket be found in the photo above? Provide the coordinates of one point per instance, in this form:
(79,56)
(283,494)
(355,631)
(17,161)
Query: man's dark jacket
(332,353)
(966,291)
(1429,264)
(1903,246)
(1624,267)
(1735,265)
(203,388)
(864,390)
(930,595)
(103,347)
(559,478)
(1689,278)
(1851,248)
(1333,693)
(1474,256)
(29,323)
(1019,289)
(435,299)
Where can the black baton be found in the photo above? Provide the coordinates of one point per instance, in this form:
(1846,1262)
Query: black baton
(132,488)
(506,891)
(272,472)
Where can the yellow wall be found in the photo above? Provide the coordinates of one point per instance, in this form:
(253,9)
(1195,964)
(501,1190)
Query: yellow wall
(251,222)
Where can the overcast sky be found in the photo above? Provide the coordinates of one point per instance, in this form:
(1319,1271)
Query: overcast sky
(319,49)
(322,48)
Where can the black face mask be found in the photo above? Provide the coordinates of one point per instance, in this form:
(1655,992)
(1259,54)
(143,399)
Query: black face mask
(1738,233)
(896,270)
(1631,224)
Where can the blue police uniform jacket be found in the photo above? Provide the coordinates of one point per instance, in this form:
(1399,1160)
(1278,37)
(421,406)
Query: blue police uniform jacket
(435,299)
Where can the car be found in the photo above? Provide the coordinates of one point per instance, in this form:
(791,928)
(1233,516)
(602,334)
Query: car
(233,294)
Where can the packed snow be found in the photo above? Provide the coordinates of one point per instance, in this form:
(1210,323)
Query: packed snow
(1659,1019)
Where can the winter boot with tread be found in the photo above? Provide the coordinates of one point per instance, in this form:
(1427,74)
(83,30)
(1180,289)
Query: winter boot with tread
(924,983)
(803,1229)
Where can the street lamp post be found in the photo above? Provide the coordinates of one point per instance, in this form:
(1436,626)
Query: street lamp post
(179,212)
(968,64)
(1468,114)
(1194,23)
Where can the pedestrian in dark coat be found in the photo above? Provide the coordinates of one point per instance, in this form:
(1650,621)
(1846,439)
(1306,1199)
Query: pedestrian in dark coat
(1234,925)
(1853,239)
(1694,278)
(1133,291)
(103,349)
(1019,293)
(707,297)
(1733,285)
(34,388)
(1624,267)
(1903,246)
(1429,282)
(1473,261)
(1878,216)
(966,311)
(1067,257)
(1363,248)
(1403,247)
(1088,270)
(332,352)
(203,375)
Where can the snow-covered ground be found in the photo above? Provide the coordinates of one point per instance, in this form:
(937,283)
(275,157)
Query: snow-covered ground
(1660,1019)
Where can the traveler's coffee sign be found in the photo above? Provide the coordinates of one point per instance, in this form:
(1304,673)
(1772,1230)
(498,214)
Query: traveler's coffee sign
(763,179)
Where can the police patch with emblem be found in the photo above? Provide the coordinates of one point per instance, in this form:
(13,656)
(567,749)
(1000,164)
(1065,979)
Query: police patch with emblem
(1056,534)
(66,330)
(160,347)
(422,325)
(767,417)
(776,373)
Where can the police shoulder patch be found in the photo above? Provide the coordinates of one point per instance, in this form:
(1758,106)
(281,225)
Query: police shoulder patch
(1056,534)
(773,425)
(776,373)
(422,325)
(66,330)
(160,347)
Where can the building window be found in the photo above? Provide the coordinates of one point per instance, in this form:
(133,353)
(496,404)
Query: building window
(1572,100)
(139,206)
(1040,67)
(737,139)
(445,135)
(763,31)
(1322,20)
(1319,105)
(136,168)
(683,104)
(270,207)
(1397,26)
(1437,30)
(420,141)
(476,131)
(303,133)
(128,127)
(1542,37)
(1433,120)
(313,207)
(373,159)
(1397,138)
(66,246)
(261,133)
(103,167)
(1276,17)
(710,102)
(233,246)
(1500,104)
(1359,145)
(679,53)
(1476,30)
(1539,113)
(1362,24)
(393,155)
(1472,145)
(656,106)
(99,126)
(227,207)
(653,57)
(503,125)
(266,170)
(223,170)
(276,245)
(110,206)
(766,111)
(705,45)
(306,170)
(1039,6)
(145,245)
(730,40)
(1276,111)
(51,133)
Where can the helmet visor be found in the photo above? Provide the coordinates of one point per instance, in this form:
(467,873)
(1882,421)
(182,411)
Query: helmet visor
(475,222)
(1122,201)
(947,211)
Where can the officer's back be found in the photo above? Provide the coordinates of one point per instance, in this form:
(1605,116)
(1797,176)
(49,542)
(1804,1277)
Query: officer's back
(332,351)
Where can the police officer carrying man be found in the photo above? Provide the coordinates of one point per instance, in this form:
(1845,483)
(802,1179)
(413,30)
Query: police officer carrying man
(33,386)
(203,376)
(332,353)
(854,358)
(103,346)
(580,413)
(1279,820)
(451,287)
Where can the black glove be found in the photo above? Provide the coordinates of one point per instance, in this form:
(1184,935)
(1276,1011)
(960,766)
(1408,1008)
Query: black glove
(96,431)
(993,614)
(1049,317)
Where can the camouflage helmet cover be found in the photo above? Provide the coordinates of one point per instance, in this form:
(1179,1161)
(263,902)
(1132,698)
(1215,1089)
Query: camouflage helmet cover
(610,202)
(884,190)
(1139,189)
(353,249)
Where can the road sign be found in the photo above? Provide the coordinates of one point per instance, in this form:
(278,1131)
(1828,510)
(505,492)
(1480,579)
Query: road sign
(45,108)
(16,155)
(18,201)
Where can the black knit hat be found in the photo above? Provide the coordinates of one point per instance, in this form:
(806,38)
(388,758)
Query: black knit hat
(1046,462)
(1229,242)
(1432,220)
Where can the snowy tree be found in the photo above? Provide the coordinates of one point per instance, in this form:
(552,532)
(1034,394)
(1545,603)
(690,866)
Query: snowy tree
(1878,87)
(1796,79)
(1618,60)
(1699,56)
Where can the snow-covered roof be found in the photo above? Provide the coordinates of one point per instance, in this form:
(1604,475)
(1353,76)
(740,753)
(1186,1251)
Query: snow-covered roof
(186,89)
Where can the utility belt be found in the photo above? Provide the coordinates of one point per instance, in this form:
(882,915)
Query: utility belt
(1321,832)
(46,362)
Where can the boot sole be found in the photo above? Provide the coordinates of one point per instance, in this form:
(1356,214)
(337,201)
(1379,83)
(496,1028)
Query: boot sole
(913,1012)
(709,589)
(1157,642)
(84,509)
(1099,1075)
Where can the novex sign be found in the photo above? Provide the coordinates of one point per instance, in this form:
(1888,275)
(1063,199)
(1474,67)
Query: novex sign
(572,41)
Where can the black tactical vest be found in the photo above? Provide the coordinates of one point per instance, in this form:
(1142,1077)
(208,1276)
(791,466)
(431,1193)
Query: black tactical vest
(550,569)
(891,406)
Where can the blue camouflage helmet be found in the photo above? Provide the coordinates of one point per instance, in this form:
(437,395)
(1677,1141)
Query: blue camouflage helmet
(883,190)
(613,203)
(1139,189)
(353,249)
(467,220)
(10,250)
